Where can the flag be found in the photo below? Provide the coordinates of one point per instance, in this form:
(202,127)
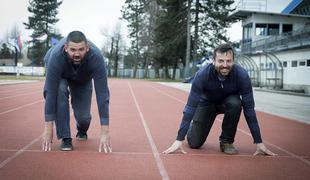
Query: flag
(18,43)
(42,37)
(15,44)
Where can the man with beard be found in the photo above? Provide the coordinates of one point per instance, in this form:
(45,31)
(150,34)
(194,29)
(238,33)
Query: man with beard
(219,88)
(71,65)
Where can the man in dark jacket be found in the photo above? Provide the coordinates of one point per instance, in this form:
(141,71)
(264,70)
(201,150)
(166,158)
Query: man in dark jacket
(219,88)
(71,65)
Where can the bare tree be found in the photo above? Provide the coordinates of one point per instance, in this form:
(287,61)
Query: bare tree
(114,42)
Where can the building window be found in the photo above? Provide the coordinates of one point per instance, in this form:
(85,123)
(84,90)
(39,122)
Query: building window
(247,32)
(302,63)
(287,28)
(284,64)
(308,62)
(273,29)
(261,30)
(270,66)
(267,29)
(275,66)
(294,63)
(262,66)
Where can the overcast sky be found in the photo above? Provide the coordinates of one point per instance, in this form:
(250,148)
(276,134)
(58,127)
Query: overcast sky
(90,16)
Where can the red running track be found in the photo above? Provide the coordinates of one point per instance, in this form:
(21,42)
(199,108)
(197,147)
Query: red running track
(144,119)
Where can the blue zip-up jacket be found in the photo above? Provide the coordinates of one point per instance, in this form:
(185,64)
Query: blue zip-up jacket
(59,66)
(208,89)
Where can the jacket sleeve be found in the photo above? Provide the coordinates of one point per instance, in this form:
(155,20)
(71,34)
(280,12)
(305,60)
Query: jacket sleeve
(248,104)
(102,90)
(52,79)
(190,107)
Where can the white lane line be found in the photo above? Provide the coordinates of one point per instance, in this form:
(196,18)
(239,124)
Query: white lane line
(19,152)
(244,132)
(18,89)
(301,158)
(159,162)
(145,153)
(9,159)
(24,149)
(14,90)
(20,107)
(7,97)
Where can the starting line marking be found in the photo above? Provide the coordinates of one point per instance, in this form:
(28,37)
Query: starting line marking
(146,153)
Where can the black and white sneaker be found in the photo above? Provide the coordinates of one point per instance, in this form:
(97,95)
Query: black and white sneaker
(81,136)
(66,144)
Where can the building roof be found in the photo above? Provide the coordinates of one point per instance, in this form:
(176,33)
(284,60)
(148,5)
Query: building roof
(243,14)
(291,6)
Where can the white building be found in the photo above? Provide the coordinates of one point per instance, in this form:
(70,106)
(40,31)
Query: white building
(275,47)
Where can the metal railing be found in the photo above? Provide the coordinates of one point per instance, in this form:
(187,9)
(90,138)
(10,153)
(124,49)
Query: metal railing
(253,5)
(294,39)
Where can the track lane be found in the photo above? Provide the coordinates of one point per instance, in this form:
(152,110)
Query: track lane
(133,158)
(172,112)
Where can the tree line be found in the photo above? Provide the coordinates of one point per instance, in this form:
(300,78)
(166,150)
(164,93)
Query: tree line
(167,33)
(164,34)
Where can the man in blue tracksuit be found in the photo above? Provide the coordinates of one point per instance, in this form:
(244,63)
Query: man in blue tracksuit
(71,65)
(219,88)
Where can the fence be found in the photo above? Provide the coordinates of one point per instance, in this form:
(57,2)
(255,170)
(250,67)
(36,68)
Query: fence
(122,73)
(25,70)
(128,73)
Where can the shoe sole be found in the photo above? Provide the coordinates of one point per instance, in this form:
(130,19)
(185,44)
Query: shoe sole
(81,139)
(66,149)
(229,153)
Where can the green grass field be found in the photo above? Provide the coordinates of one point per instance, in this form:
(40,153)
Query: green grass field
(14,77)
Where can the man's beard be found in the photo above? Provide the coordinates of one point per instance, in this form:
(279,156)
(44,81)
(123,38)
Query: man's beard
(225,72)
(76,60)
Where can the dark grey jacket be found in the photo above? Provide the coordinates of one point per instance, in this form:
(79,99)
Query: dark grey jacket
(58,66)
